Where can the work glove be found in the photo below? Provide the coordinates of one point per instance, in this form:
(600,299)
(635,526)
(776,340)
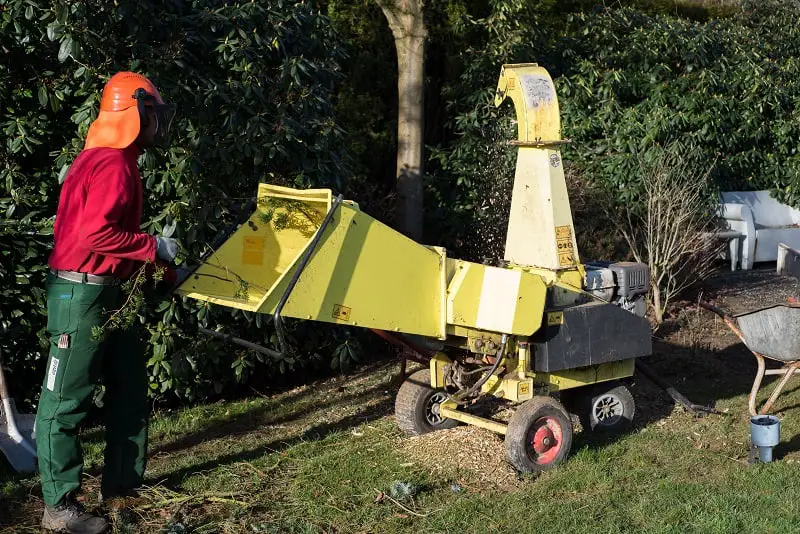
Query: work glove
(182,273)
(166,248)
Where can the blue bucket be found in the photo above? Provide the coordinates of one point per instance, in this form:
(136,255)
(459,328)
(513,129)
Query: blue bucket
(765,433)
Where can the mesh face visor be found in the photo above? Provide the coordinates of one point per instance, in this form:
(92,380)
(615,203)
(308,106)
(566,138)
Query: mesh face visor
(163,112)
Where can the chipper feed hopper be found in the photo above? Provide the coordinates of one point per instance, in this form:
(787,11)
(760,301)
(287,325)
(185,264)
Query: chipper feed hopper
(541,330)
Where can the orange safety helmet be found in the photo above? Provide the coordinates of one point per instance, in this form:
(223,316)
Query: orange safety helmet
(122,107)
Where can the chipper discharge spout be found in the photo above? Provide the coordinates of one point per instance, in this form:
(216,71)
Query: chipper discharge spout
(541,329)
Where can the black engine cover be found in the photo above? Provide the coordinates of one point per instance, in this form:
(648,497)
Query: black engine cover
(589,334)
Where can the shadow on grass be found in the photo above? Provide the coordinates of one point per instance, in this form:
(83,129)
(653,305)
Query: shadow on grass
(317,432)
(705,377)
(254,419)
(786,447)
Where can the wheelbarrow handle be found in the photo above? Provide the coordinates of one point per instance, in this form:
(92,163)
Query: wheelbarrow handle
(730,321)
(710,307)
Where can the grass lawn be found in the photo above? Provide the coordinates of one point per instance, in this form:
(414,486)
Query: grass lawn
(328,457)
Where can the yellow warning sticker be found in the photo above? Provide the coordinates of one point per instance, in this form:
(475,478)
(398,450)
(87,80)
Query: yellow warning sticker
(566,252)
(253,251)
(341,312)
(555,318)
(524,389)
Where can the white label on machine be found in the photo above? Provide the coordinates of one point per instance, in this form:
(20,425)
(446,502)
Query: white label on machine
(538,89)
(51,374)
(498,303)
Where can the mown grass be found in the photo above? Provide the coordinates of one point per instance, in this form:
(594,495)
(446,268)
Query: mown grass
(325,457)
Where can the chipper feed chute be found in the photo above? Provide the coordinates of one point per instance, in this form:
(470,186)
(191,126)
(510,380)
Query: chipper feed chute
(361,272)
(540,329)
(358,272)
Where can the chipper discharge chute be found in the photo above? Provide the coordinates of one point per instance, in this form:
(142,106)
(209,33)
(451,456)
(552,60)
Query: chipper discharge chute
(541,329)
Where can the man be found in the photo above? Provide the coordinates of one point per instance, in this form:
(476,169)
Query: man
(98,244)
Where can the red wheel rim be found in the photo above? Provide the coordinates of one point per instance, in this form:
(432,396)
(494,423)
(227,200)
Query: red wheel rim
(546,440)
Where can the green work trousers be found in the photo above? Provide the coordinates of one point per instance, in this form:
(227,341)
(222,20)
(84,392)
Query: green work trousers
(76,364)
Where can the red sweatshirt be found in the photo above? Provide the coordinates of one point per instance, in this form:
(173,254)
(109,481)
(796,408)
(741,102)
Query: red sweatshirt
(97,226)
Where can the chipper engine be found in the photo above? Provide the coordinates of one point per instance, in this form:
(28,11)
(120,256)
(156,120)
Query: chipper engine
(541,331)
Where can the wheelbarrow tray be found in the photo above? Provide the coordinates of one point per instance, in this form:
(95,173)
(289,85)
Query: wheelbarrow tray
(773,331)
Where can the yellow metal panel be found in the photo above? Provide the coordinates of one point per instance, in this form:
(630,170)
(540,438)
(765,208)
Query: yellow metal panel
(242,271)
(489,298)
(437,366)
(509,387)
(363,273)
(584,376)
(534,96)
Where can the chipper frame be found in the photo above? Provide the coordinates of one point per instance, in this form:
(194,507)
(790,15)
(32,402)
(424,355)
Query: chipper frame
(540,330)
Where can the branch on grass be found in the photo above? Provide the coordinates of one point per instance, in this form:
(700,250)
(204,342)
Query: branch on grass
(214,497)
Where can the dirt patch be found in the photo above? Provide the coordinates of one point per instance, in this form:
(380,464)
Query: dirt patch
(477,455)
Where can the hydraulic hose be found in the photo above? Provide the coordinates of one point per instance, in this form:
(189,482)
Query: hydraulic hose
(501,354)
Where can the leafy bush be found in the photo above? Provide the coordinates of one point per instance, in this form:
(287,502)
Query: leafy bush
(727,89)
(254,83)
(723,89)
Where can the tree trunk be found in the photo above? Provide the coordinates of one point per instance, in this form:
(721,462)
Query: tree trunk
(657,306)
(405,19)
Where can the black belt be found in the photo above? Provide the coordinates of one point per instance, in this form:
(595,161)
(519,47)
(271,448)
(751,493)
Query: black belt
(86,278)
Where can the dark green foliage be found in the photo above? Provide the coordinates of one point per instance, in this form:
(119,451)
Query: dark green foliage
(727,90)
(253,83)
(724,91)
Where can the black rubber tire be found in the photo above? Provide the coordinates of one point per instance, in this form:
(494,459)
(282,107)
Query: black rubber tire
(522,429)
(620,397)
(413,409)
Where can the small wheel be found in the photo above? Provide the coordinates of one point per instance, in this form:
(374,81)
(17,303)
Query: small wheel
(539,435)
(416,407)
(607,407)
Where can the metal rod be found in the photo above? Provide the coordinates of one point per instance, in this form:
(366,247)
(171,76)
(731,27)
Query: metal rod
(300,268)
(446,410)
(751,401)
(777,391)
(672,392)
(539,144)
(242,342)
(780,371)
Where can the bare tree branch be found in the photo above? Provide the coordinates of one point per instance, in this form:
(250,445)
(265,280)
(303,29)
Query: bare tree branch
(674,231)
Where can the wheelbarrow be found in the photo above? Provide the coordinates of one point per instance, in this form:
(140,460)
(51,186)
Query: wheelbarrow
(770,333)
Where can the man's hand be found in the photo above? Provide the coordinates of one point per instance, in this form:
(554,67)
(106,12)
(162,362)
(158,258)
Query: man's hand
(166,248)
(182,273)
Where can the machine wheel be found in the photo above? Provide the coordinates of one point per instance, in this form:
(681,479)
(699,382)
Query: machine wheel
(607,407)
(539,435)
(416,408)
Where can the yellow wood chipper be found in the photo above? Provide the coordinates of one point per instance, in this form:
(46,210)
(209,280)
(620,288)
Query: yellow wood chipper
(541,330)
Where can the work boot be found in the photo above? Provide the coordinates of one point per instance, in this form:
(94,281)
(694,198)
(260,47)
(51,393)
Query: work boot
(71,518)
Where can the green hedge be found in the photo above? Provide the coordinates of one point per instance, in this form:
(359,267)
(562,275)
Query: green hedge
(254,83)
(722,92)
